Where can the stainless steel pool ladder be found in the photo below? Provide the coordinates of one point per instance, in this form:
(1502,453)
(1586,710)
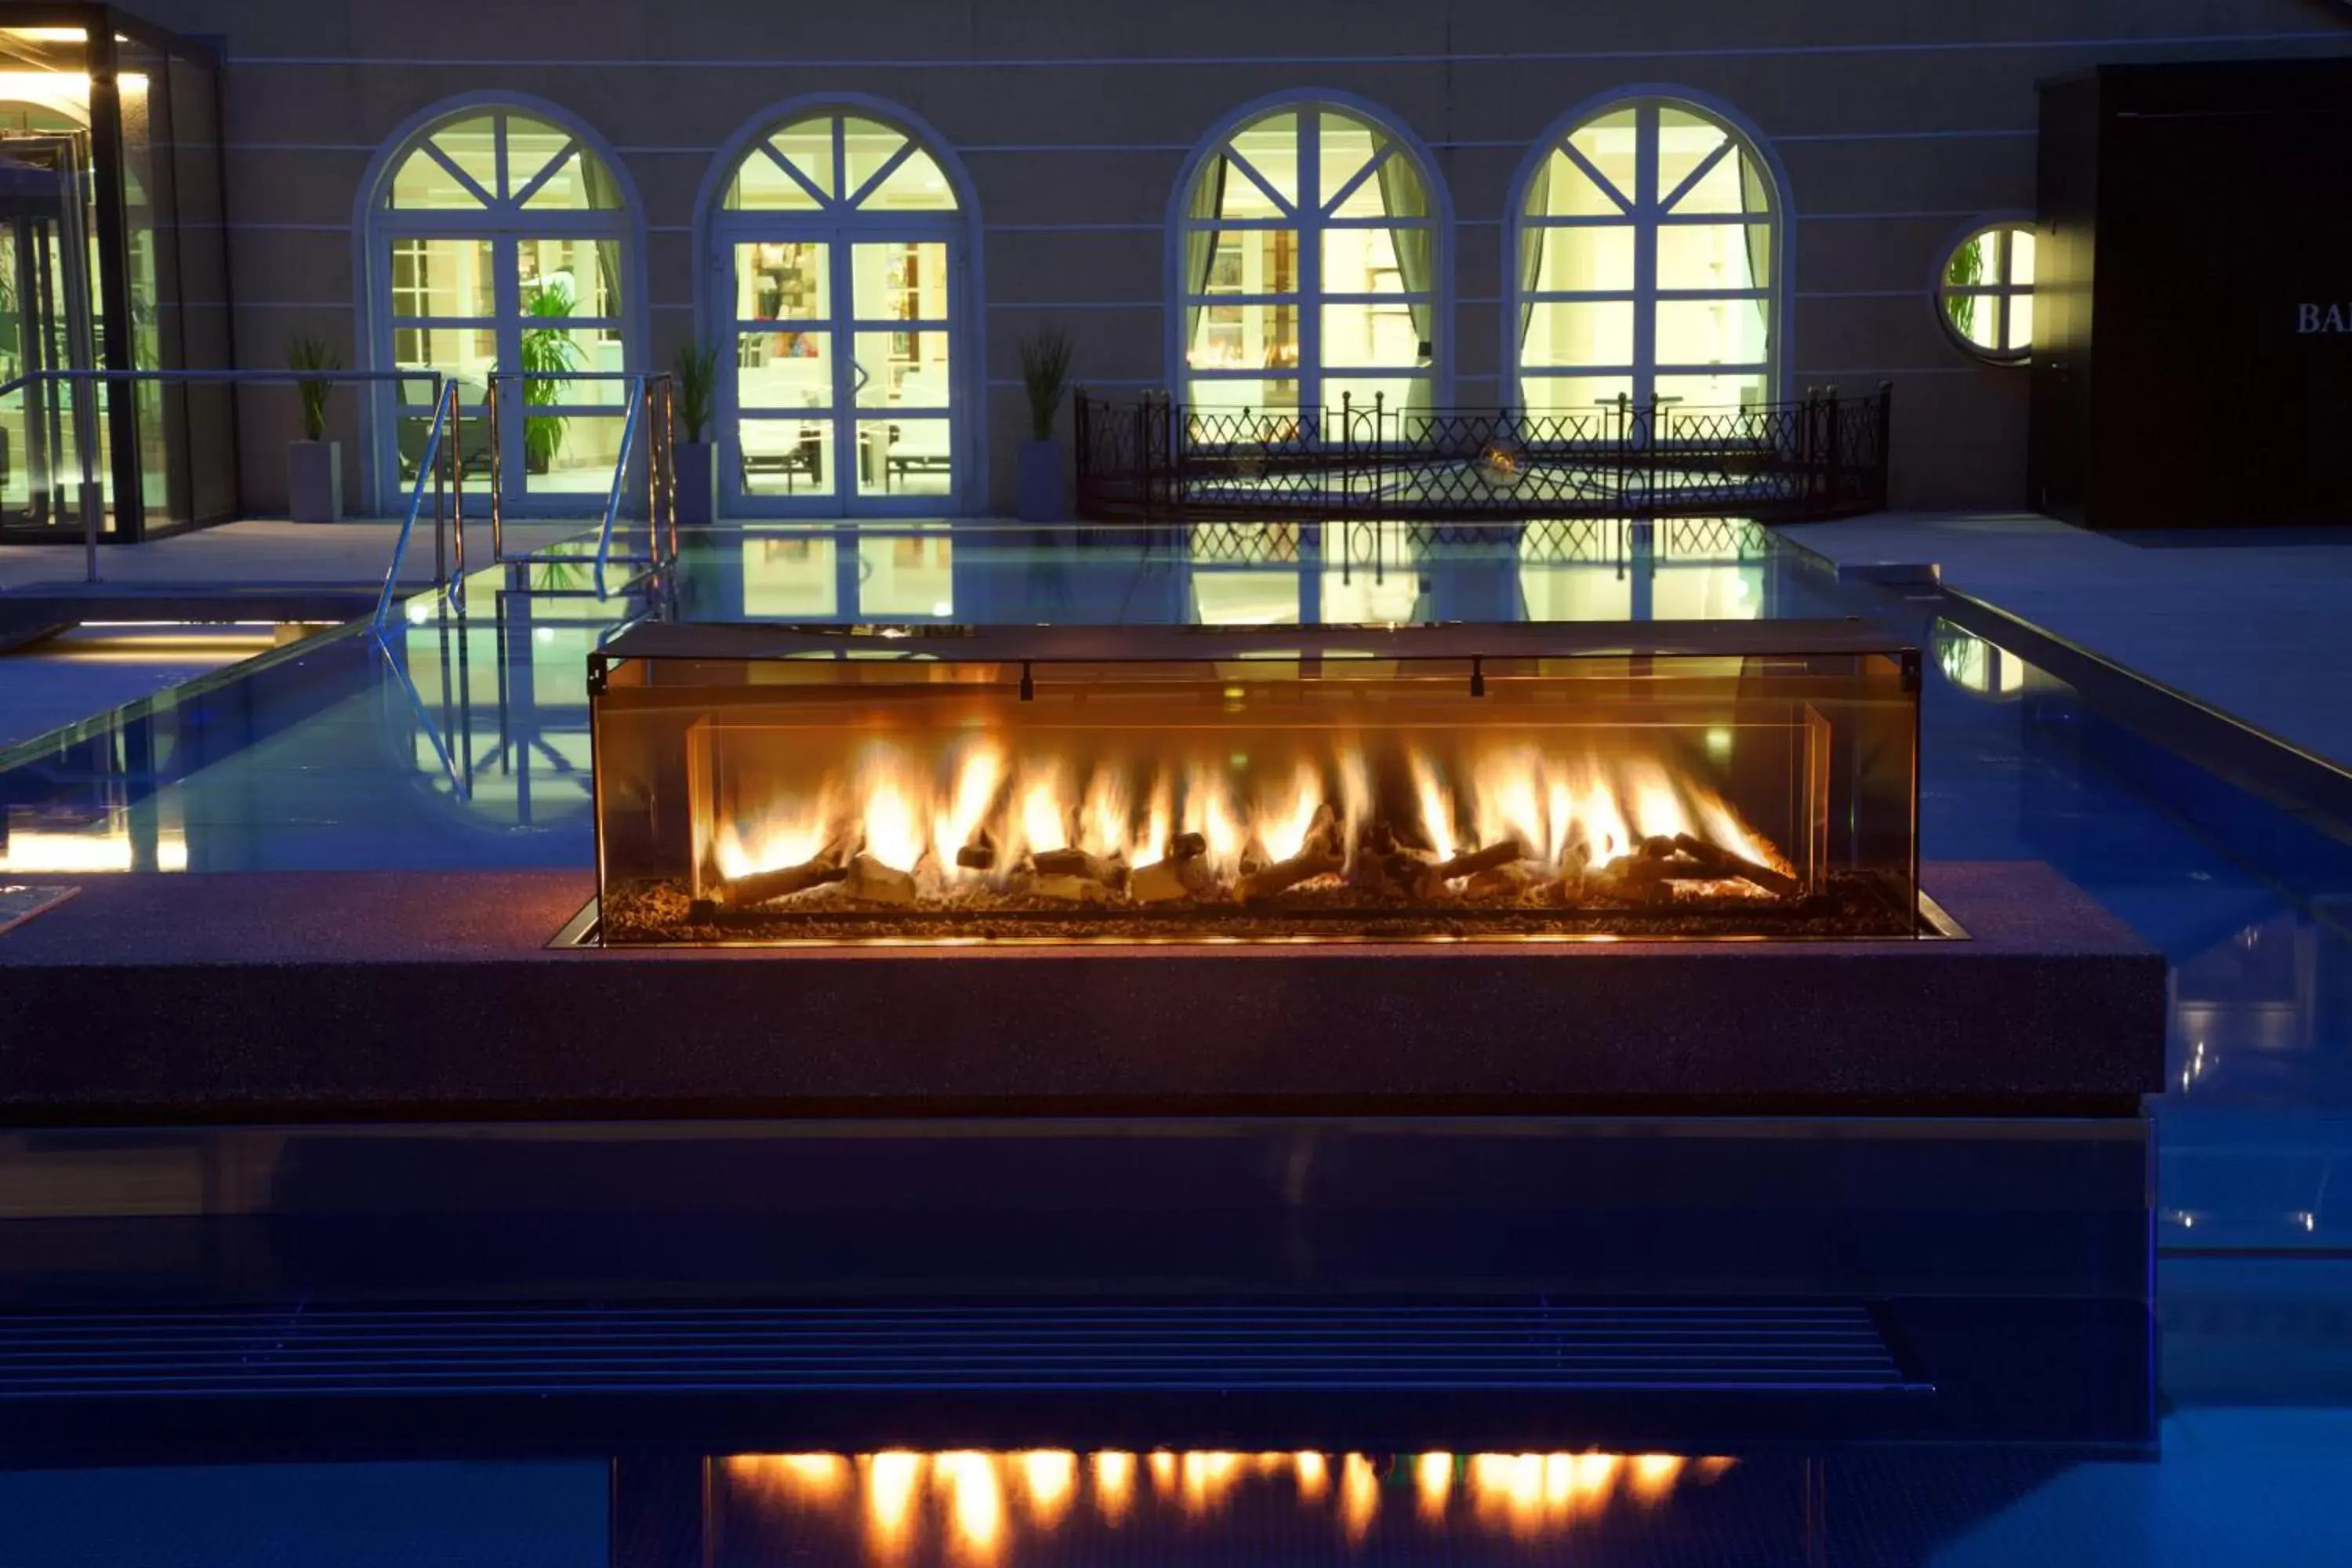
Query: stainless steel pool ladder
(649,403)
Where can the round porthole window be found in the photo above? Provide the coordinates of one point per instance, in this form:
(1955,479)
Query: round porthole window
(1986,294)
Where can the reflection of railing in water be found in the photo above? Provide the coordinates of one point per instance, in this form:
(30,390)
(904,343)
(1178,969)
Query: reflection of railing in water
(1824,456)
(1552,542)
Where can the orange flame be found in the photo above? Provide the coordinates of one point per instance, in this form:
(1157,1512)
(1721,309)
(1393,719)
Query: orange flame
(1050,1479)
(1567,808)
(1433,1478)
(1114,1475)
(1360,1496)
(1529,1496)
(1314,1476)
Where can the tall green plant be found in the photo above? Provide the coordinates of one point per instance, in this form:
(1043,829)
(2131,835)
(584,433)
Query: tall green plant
(1045,376)
(313,353)
(548,351)
(1965,270)
(698,381)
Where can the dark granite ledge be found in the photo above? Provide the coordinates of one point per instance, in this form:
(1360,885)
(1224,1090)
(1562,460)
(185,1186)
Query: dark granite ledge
(224,996)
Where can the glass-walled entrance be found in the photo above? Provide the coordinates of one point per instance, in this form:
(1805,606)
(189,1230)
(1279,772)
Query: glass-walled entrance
(112,258)
(47,426)
(840,252)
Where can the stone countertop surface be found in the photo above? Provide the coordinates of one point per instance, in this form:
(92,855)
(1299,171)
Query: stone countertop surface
(300,995)
(276,918)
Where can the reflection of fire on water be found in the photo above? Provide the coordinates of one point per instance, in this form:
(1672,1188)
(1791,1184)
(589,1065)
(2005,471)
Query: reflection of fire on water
(981,1504)
(1493,821)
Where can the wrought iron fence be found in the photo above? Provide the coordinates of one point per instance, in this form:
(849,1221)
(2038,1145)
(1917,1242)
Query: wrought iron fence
(1824,456)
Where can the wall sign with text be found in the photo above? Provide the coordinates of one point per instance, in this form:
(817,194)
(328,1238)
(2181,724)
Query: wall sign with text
(2324,319)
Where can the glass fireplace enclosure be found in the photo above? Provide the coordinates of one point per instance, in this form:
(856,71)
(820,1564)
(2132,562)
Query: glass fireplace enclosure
(847,784)
(112,257)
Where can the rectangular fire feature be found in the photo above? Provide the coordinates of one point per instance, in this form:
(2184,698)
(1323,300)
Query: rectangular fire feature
(856,785)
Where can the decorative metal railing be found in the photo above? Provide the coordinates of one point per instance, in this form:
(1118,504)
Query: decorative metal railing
(1825,455)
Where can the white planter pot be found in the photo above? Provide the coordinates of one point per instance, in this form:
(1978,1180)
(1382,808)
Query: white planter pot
(1042,498)
(697,483)
(314,481)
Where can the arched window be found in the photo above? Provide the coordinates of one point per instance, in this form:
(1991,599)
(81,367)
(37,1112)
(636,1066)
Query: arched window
(840,251)
(1307,266)
(501,240)
(1647,265)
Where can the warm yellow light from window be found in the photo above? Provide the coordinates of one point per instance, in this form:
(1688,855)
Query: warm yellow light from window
(72,86)
(36,851)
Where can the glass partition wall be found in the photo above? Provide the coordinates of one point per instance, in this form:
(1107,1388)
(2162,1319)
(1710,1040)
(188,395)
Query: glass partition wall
(111,257)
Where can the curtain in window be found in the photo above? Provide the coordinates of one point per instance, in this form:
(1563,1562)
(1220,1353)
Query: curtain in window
(604,195)
(1403,196)
(1531,244)
(1755,203)
(1201,242)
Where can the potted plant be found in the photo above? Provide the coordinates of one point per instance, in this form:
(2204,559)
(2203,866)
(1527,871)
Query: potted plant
(697,455)
(314,465)
(545,350)
(1045,376)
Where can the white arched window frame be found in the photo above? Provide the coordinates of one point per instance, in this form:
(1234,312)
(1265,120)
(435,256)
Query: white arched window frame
(839,266)
(1648,265)
(1310,267)
(483,219)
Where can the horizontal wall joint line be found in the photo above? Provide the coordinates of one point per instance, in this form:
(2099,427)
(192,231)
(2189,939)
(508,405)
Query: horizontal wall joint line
(1456,56)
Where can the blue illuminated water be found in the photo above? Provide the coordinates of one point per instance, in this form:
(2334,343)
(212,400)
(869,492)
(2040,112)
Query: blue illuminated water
(460,740)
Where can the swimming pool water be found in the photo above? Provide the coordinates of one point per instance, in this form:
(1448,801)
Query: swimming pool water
(459,739)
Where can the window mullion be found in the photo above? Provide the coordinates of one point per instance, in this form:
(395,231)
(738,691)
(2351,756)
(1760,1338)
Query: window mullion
(843,344)
(2008,280)
(506,292)
(889,167)
(1310,263)
(1647,130)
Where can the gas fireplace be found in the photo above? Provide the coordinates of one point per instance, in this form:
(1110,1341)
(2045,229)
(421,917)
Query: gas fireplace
(942,785)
